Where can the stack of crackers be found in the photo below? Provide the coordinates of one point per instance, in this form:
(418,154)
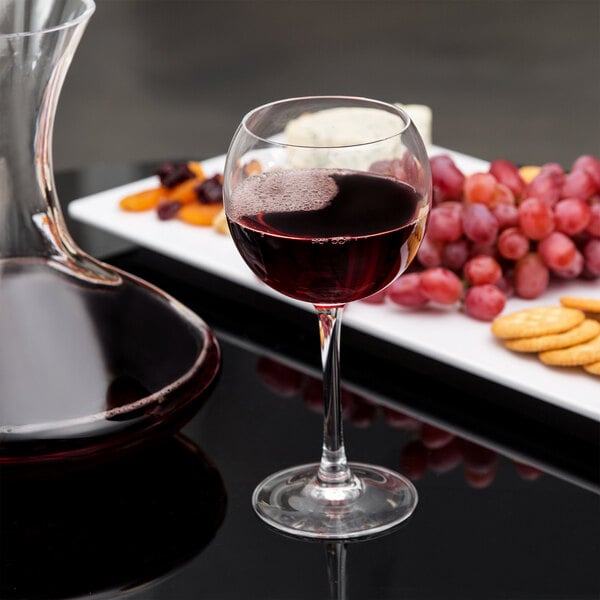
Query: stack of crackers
(567,335)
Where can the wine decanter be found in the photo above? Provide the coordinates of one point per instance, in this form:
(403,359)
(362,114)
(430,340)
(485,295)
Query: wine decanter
(91,357)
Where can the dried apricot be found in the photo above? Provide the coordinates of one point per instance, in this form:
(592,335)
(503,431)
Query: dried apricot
(144,200)
(199,214)
(186,191)
(196,168)
(253,168)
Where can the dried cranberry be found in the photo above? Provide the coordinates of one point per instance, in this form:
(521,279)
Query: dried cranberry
(171,174)
(168,210)
(210,191)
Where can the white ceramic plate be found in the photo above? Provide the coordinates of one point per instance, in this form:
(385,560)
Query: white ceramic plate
(443,334)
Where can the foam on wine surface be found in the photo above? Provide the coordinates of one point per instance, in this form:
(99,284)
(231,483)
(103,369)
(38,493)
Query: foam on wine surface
(284,191)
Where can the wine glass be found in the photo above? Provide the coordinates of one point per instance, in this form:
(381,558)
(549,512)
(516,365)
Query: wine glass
(327,200)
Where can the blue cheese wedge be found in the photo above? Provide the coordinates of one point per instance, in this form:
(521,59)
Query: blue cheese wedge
(336,128)
(422,116)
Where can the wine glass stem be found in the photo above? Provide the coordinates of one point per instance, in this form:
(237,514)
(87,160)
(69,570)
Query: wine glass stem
(333,468)
(336,570)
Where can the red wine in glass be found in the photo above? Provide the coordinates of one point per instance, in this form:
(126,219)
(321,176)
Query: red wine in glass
(359,232)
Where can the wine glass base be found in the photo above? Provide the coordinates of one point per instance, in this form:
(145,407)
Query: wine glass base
(375,500)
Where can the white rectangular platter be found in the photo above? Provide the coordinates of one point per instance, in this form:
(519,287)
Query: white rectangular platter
(443,334)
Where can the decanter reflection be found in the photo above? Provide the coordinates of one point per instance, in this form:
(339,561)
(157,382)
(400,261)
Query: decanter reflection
(89,529)
(90,357)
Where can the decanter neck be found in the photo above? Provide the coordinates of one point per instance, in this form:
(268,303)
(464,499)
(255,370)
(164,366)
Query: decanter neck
(33,65)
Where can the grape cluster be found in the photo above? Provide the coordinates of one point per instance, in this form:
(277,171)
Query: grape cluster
(502,232)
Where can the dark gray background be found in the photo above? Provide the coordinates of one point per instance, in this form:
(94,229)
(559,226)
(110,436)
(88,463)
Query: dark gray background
(157,79)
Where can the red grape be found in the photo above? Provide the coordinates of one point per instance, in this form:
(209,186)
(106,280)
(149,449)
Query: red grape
(594,224)
(531,276)
(406,290)
(546,188)
(554,171)
(591,165)
(536,218)
(591,254)
(455,254)
(441,285)
(503,195)
(451,205)
(574,269)
(479,224)
(512,243)
(447,178)
(480,188)
(484,249)
(430,252)
(507,215)
(445,224)
(505,283)
(578,184)
(557,250)
(391,168)
(572,215)
(507,173)
(482,269)
(484,302)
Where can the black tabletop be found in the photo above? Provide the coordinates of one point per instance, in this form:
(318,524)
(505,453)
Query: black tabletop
(508,485)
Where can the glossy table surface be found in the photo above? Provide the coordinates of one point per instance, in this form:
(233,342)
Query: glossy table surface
(509,486)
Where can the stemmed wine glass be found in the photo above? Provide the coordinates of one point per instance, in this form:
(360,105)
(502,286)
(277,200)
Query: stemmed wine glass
(327,200)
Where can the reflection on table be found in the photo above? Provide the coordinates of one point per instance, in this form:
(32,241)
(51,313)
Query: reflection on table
(87,529)
(430,448)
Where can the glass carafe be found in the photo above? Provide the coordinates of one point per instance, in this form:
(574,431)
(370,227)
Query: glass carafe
(90,357)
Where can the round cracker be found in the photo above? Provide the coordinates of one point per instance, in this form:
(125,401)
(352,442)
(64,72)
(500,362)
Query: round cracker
(590,305)
(536,321)
(578,355)
(593,368)
(586,330)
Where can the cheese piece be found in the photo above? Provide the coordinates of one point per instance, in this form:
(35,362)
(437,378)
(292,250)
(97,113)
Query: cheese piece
(332,129)
(422,116)
(336,128)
